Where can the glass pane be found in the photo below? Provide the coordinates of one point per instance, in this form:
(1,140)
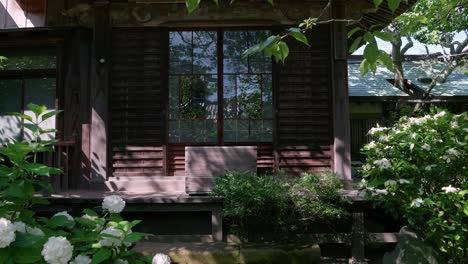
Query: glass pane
(180,52)
(36,59)
(41,92)
(193,108)
(10,101)
(230,96)
(249,96)
(235,43)
(204,52)
(267,96)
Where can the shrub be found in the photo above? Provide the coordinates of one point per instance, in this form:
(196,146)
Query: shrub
(419,168)
(93,237)
(278,203)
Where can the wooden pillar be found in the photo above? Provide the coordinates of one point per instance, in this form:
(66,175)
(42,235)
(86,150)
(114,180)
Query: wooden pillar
(341,124)
(99,92)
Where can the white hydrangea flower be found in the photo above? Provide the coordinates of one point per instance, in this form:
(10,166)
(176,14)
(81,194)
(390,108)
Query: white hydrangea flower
(390,183)
(81,259)
(34,231)
(161,259)
(441,114)
(374,130)
(411,146)
(465,129)
(413,135)
(7,232)
(366,167)
(92,218)
(421,190)
(452,151)
(417,202)
(113,203)
(383,164)
(65,213)
(384,138)
(120,261)
(371,144)
(20,226)
(446,158)
(57,250)
(426,147)
(403,181)
(450,189)
(114,241)
(362,184)
(454,124)
(429,167)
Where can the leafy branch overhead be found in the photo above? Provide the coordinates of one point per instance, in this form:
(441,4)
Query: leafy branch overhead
(276,47)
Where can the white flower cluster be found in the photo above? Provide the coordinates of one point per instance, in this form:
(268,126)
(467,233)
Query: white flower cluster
(383,164)
(114,239)
(7,232)
(417,202)
(377,129)
(450,189)
(113,203)
(23,228)
(57,250)
(161,259)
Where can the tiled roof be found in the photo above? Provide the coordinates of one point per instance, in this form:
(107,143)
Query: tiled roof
(377,85)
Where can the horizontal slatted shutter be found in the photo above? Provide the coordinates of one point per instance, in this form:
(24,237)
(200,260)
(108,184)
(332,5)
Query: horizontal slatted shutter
(303,105)
(138,100)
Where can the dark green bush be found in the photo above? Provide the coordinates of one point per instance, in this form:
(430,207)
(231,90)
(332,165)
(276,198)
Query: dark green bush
(278,204)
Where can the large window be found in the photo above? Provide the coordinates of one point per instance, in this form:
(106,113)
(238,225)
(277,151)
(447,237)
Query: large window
(215,94)
(25,77)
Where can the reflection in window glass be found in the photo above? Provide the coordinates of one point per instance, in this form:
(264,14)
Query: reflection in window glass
(247,89)
(193,91)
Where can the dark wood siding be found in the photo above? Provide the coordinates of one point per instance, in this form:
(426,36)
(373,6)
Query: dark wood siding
(138,99)
(303,107)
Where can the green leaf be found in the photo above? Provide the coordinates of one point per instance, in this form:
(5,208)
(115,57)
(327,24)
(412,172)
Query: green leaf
(32,127)
(270,2)
(36,109)
(465,209)
(24,240)
(368,37)
(50,114)
(192,5)
(20,115)
(283,50)
(90,212)
(386,60)
(385,36)
(134,237)
(116,217)
(297,34)
(377,3)
(364,67)
(371,52)
(352,31)
(102,255)
(47,131)
(393,4)
(38,169)
(60,221)
(355,45)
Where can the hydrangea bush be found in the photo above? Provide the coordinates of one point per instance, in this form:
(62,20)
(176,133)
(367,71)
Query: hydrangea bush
(418,169)
(94,237)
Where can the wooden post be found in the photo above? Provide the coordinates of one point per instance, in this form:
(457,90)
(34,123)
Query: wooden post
(99,92)
(358,237)
(217,225)
(341,126)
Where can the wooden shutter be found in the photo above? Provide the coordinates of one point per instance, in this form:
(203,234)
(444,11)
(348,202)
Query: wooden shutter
(138,99)
(303,105)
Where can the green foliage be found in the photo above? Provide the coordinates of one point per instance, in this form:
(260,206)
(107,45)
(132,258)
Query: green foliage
(21,180)
(417,169)
(278,203)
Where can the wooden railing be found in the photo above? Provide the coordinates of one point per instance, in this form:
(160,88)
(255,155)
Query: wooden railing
(61,158)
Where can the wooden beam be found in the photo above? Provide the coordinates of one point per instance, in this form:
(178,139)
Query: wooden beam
(341,124)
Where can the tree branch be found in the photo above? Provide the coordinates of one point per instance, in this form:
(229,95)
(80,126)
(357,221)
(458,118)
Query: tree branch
(407,45)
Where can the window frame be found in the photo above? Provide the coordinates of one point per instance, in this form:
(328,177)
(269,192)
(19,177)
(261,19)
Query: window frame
(24,74)
(220,86)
